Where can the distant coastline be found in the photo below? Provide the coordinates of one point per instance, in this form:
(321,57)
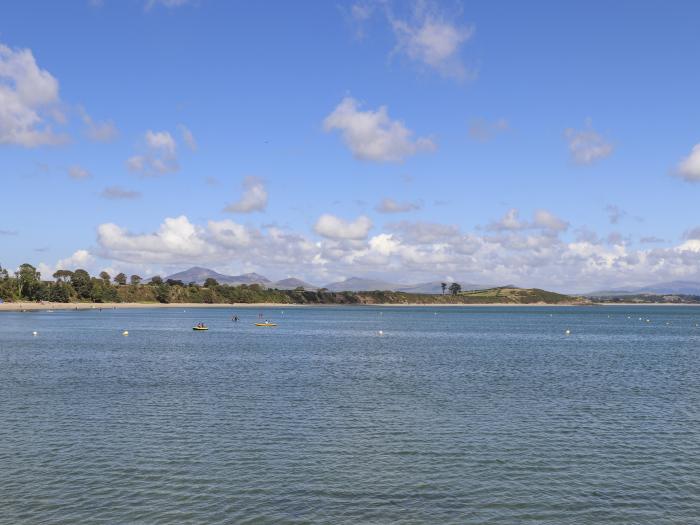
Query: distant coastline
(44,307)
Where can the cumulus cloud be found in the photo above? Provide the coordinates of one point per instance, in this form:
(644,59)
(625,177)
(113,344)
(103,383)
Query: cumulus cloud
(333,227)
(689,167)
(254,197)
(29,100)
(692,233)
(425,232)
(230,234)
(432,40)
(408,252)
(159,155)
(119,193)
(587,146)
(79,259)
(482,130)
(76,172)
(548,221)
(373,135)
(82,259)
(542,219)
(177,237)
(178,241)
(509,222)
(389,205)
(102,131)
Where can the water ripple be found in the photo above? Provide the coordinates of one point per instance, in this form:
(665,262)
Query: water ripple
(471,416)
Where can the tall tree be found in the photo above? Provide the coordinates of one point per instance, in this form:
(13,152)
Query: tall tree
(28,281)
(135,279)
(81,283)
(443,286)
(120,279)
(156,280)
(455,288)
(210,282)
(105,277)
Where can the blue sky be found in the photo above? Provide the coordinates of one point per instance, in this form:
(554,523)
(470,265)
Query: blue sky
(546,144)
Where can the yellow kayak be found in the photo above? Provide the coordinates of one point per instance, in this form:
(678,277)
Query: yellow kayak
(200,328)
(265,324)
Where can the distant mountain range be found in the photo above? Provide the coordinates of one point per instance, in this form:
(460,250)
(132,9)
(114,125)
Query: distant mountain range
(198,275)
(667,288)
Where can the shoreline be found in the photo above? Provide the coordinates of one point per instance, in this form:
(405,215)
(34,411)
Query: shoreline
(33,307)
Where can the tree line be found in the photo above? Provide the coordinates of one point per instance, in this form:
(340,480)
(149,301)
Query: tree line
(26,284)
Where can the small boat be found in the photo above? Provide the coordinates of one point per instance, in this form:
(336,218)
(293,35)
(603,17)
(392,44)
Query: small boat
(265,324)
(199,328)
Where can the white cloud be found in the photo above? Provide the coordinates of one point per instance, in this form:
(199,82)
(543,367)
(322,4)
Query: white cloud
(104,131)
(509,222)
(425,232)
(28,99)
(333,227)
(389,205)
(177,239)
(433,40)
(689,167)
(188,137)
(542,219)
(536,255)
(80,259)
(159,156)
(119,193)
(372,135)
(230,234)
(586,146)
(78,173)
(254,197)
(548,221)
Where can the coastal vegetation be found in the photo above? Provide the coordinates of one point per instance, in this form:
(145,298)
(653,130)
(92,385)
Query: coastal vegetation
(647,298)
(26,284)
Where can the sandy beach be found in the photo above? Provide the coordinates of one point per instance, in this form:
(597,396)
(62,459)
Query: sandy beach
(27,307)
(19,307)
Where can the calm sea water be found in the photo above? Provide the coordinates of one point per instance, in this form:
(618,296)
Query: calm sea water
(453,415)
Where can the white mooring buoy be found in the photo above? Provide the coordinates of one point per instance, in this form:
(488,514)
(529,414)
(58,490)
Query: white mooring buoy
(125,332)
